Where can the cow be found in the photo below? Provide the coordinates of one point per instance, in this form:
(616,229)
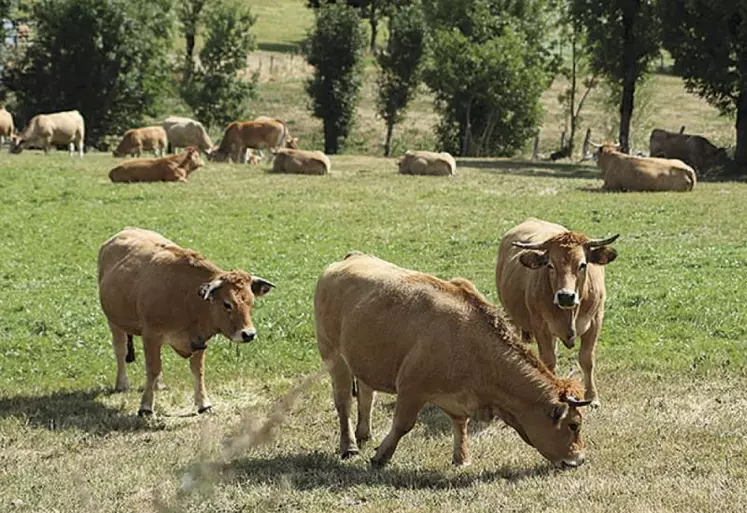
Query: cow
(427,163)
(137,140)
(185,132)
(6,125)
(240,136)
(174,168)
(402,332)
(47,130)
(168,295)
(622,172)
(301,162)
(551,284)
(694,150)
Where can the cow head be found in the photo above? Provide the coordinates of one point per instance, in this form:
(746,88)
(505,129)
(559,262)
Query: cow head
(565,258)
(291,142)
(231,297)
(16,144)
(192,159)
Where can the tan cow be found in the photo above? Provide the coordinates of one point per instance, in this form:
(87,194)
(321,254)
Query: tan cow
(694,150)
(6,126)
(137,140)
(622,172)
(185,132)
(172,296)
(240,136)
(551,283)
(301,162)
(47,130)
(427,163)
(432,341)
(174,168)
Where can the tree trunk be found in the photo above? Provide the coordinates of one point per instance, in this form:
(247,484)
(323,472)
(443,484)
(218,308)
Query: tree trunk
(374,21)
(467,131)
(330,138)
(388,143)
(630,74)
(574,61)
(189,39)
(740,155)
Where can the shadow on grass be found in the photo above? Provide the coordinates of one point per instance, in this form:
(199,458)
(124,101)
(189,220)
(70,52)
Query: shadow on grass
(73,410)
(279,47)
(532,168)
(435,421)
(319,470)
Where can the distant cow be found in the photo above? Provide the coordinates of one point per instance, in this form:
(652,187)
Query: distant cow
(240,136)
(694,150)
(622,172)
(6,125)
(432,341)
(150,287)
(427,163)
(47,130)
(174,168)
(301,162)
(185,132)
(137,140)
(551,283)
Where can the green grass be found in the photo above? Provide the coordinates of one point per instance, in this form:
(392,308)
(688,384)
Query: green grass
(672,359)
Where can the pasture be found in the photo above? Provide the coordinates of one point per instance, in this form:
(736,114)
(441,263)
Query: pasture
(671,363)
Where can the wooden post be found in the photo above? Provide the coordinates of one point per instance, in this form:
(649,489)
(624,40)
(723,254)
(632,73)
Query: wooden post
(682,129)
(535,147)
(585,148)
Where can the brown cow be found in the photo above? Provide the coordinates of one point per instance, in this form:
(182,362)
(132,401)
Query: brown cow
(137,140)
(168,295)
(427,163)
(174,168)
(301,162)
(47,130)
(551,283)
(694,150)
(6,125)
(432,341)
(622,172)
(240,136)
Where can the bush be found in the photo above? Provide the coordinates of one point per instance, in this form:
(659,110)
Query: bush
(335,48)
(106,58)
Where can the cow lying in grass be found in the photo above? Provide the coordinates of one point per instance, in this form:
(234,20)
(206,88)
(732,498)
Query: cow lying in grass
(427,163)
(432,341)
(622,172)
(301,162)
(174,168)
(150,287)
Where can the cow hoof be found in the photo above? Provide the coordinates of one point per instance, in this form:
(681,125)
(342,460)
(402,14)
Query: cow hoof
(375,463)
(461,464)
(144,412)
(595,404)
(121,388)
(348,454)
(206,409)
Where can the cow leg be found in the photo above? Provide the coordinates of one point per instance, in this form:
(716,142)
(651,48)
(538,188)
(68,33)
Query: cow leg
(460,455)
(546,346)
(71,149)
(586,357)
(365,405)
(197,364)
(152,349)
(245,155)
(342,389)
(405,414)
(119,343)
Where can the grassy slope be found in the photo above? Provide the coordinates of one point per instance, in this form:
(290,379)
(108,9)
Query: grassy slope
(671,363)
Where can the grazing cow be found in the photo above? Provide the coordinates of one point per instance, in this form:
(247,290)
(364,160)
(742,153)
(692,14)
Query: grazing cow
(301,162)
(185,132)
(150,287)
(694,150)
(137,140)
(47,130)
(240,136)
(551,283)
(6,125)
(174,168)
(427,163)
(622,172)
(432,341)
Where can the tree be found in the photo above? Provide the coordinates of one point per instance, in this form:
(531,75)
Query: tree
(400,66)
(623,37)
(106,58)
(708,41)
(218,91)
(488,67)
(372,10)
(190,12)
(335,49)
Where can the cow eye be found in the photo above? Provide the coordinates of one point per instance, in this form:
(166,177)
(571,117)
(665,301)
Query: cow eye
(227,305)
(582,266)
(573,426)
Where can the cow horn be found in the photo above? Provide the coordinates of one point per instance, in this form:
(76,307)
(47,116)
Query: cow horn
(530,245)
(595,144)
(572,401)
(206,289)
(595,243)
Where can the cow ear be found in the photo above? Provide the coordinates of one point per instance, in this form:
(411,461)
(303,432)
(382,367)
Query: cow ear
(207,290)
(558,413)
(602,255)
(260,286)
(534,259)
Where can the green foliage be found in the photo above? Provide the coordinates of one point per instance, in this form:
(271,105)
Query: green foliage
(335,49)
(400,66)
(106,58)
(218,90)
(488,67)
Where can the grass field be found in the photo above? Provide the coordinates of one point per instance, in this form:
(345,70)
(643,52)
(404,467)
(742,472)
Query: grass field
(672,361)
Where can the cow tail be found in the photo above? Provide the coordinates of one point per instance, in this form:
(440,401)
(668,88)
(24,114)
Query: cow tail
(130,350)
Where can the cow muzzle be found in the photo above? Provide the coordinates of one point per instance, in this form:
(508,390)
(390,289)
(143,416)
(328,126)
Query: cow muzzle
(245,335)
(576,461)
(566,299)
